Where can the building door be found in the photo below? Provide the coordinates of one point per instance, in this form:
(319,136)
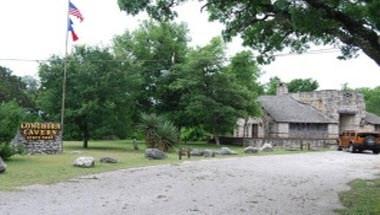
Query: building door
(346,122)
(255,131)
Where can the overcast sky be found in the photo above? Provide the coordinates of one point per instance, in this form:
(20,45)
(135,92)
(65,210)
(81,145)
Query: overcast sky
(36,30)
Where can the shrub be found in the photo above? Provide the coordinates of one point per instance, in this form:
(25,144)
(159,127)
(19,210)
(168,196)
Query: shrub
(159,132)
(7,150)
(11,115)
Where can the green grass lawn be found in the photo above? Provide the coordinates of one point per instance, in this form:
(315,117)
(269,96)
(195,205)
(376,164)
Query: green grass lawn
(45,169)
(363,198)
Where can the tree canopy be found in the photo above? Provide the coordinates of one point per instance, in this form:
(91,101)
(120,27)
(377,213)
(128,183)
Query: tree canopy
(12,88)
(271,26)
(302,85)
(294,86)
(97,99)
(372,99)
(211,97)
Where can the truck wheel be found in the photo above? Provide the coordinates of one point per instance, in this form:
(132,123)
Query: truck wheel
(351,149)
(375,151)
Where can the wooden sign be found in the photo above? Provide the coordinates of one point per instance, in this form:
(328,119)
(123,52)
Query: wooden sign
(40,130)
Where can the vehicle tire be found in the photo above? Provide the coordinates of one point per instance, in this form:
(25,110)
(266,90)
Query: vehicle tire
(351,149)
(375,151)
(339,148)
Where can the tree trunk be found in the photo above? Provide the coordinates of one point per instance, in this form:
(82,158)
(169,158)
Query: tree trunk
(217,140)
(86,136)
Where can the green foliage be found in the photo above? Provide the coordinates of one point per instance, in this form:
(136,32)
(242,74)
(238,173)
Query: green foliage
(244,69)
(294,86)
(271,86)
(372,99)
(97,99)
(270,26)
(13,88)
(159,132)
(194,134)
(302,85)
(11,116)
(211,97)
(154,51)
(7,150)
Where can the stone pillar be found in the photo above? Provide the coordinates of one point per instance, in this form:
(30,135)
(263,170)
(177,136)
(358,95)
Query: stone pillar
(282,89)
(333,131)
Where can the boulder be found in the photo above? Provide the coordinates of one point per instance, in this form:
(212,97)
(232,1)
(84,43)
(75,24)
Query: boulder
(196,152)
(226,151)
(267,147)
(3,166)
(251,150)
(155,154)
(208,153)
(85,162)
(108,160)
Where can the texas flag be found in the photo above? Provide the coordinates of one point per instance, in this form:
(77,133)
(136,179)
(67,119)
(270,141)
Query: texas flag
(70,28)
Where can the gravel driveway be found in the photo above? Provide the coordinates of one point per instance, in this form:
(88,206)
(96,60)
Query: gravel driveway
(279,184)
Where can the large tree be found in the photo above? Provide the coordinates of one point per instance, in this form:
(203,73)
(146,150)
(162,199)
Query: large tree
(12,88)
(211,97)
(97,101)
(270,26)
(154,51)
(372,99)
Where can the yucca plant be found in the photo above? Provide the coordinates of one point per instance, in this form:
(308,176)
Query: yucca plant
(159,132)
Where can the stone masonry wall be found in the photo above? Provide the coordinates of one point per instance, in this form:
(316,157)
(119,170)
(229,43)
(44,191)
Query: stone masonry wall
(39,146)
(334,103)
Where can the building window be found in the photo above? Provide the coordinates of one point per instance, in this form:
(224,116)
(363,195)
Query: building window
(308,130)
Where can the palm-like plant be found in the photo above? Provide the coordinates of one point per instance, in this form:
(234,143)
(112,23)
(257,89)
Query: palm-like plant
(159,132)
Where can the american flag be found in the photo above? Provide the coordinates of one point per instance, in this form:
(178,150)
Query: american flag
(74,11)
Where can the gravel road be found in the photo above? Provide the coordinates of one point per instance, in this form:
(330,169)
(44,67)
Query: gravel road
(279,184)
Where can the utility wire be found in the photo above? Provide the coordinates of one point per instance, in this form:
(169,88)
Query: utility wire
(316,51)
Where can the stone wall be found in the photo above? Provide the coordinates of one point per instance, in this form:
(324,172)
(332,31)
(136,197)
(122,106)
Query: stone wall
(39,146)
(280,142)
(291,142)
(244,128)
(336,104)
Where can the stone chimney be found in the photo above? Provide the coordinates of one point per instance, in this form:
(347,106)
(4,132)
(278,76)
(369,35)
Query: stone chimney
(282,89)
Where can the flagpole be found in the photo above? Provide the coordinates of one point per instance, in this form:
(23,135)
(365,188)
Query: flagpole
(65,71)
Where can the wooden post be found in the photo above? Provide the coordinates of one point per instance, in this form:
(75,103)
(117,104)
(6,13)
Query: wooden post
(180,154)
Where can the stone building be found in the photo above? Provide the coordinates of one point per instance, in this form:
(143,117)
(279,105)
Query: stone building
(317,115)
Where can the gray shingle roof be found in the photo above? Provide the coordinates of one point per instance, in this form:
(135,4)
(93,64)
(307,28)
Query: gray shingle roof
(286,109)
(372,118)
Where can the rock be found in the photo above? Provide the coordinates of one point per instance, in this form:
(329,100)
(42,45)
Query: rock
(196,152)
(86,162)
(155,154)
(267,147)
(251,150)
(208,153)
(108,160)
(3,166)
(226,151)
